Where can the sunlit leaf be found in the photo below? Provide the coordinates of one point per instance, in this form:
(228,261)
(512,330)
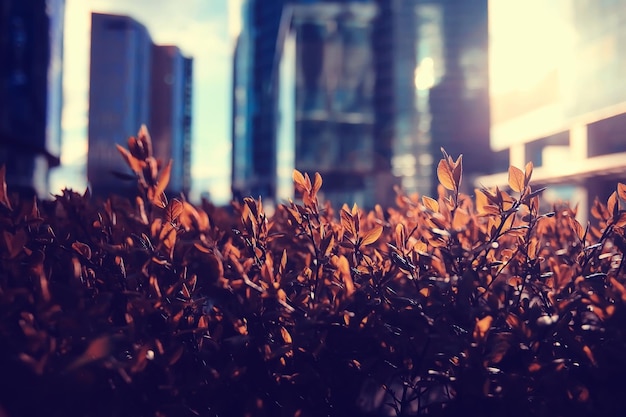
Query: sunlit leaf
(430,203)
(578,228)
(528,172)
(445,175)
(132,162)
(400,236)
(286,336)
(317,183)
(482,327)
(4,197)
(372,235)
(621,190)
(612,204)
(516,179)
(173,210)
(457,172)
(298,179)
(589,354)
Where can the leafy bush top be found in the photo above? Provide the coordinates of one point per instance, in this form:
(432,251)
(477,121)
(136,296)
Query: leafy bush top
(440,306)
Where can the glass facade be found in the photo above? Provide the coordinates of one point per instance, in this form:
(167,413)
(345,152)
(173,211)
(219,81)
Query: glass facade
(134,82)
(31,53)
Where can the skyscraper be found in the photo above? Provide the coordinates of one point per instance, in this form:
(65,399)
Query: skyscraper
(379,86)
(170,115)
(31,57)
(133,82)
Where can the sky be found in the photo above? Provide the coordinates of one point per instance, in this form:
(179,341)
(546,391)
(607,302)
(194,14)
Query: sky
(202,29)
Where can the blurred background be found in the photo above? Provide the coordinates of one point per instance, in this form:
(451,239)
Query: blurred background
(240,92)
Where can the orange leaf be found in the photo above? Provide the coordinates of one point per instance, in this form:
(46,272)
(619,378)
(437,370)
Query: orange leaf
(82,248)
(298,179)
(347,221)
(372,235)
(457,172)
(143,136)
(173,211)
(621,190)
(516,179)
(400,236)
(445,175)
(528,172)
(286,336)
(482,327)
(430,203)
(168,235)
(612,204)
(4,196)
(578,228)
(131,161)
(589,354)
(317,183)
(156,194)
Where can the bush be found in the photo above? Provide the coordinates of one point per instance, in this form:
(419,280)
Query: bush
(450,306)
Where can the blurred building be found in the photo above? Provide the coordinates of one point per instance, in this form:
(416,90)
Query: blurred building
(558,95)
(133,82)
(31,59)
(364,92)
(170,114)
(254,100)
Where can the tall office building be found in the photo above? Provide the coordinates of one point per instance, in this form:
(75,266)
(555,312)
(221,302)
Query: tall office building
(366,92)
(254,100)
(133,82)
(170,114)
(31,60)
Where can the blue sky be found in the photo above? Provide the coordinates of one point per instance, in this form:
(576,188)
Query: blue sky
(203,30)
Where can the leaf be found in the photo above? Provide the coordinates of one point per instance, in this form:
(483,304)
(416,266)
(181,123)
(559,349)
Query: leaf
(4,196)
(528,172)
(372,235)
(163,181)
(298,179)
(143,137)
(317,183)
(445,175)
(168,235)
(131,161)
(400,236)
(612,205)
(482,327)
(98,349)
(82,248)
(286,336)
(589,354)
(347,221)
(621,190)
(516,179)
(430,203)
(173,210)
(578,228)
(327,245)
(457,173)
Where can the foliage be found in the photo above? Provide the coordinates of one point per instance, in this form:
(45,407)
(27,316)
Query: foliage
(448,306)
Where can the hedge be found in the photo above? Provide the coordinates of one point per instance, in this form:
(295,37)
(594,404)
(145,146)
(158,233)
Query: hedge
(447,306)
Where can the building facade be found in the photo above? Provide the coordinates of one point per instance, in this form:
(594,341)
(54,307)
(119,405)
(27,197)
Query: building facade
(376,88)
(134,82)
(170,112)
(560,96)
(31,85)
